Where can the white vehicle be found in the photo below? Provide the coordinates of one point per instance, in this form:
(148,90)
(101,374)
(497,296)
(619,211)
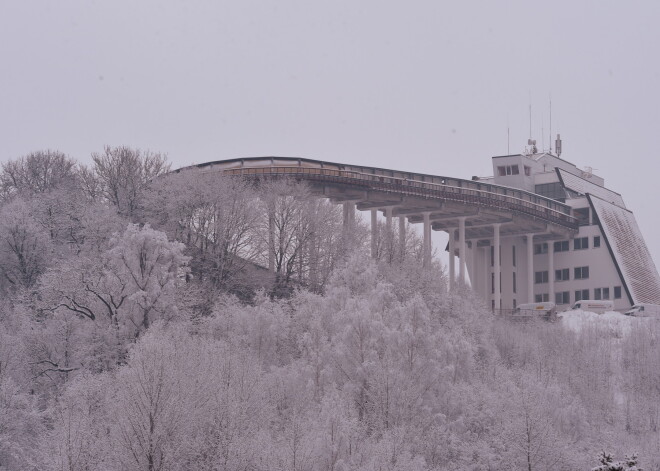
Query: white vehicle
(546,310)
(599,307)
(644,310)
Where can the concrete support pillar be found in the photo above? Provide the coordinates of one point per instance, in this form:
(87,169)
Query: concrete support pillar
(551,271)
(402,237)
(374,233)
(349,214)
(462,249)
(452,249)
(530,268)
(427,239)
(485,269)
(497,296)
(472,272)
(389,235)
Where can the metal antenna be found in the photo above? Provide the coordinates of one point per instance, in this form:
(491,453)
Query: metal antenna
(542,133)
(550,135)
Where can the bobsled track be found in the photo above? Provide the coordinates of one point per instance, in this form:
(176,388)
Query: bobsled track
(480,214)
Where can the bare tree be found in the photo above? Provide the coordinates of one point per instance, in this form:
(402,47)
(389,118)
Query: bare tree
(123,174)
(37,172)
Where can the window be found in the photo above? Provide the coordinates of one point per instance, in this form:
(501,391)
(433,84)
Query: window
(492,255)
(581,294)
(513,254)
(540,248)
(581,243)
(541,277)
(581,273)
(582,215)
(515,304)
(492,304)
(528,170)
(514,281)
(492,283)
(561,246)
(562,275)
(596,241)
(551,190)
(597,294)
(562,298)
(606,293)
(541,298)
(504,170)
(617,292)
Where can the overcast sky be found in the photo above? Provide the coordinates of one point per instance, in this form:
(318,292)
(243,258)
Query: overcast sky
(426,86)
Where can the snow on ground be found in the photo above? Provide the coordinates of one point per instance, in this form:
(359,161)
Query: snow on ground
(618,324)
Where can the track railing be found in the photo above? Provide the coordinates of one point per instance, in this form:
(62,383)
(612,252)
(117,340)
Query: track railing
(466,191)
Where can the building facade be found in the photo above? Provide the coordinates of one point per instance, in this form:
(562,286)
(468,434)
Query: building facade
(606,259)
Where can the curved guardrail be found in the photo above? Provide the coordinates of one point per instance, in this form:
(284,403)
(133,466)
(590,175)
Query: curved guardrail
(452,189)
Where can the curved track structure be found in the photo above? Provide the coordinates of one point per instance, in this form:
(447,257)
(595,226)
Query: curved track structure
(408,194)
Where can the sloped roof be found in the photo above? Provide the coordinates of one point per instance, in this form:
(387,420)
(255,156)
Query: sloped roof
(629,252)
(583,187)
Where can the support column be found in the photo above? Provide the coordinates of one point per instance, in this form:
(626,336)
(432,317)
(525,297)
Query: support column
(349,214)
(530,268)
(486,274)
(497,296)
(427,239)
(374,233)
(472,272)
(462,249)
(402,237)
(452,249)
(551,271)
(389,235)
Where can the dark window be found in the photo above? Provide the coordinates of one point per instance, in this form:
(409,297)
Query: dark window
(492,283)
(582,215)
(513,254)
(528,170)
(562,275)
(514,281)
(501,170)
(562,298)
(492,255)
(551,190)
(606,293)
(561,246)
(597,294)
(541,298)
(540,248)
(581,294)
(541,277)
(581,273)
(596,241)
(617,292)
(515,170)
(581,243)
(514,303)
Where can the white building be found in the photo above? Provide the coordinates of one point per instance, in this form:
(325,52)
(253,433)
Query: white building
(606,259)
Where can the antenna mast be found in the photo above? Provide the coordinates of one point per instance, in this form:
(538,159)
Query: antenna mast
(550,134)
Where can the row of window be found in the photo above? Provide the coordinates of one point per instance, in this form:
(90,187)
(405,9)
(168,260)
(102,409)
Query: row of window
(564,297)
(579,243)
(563,274)
(504,170)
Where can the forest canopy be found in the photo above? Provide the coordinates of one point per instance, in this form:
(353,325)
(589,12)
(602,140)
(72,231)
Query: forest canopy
(155,320)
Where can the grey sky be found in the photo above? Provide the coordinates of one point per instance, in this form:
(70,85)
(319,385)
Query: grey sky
(427,86)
